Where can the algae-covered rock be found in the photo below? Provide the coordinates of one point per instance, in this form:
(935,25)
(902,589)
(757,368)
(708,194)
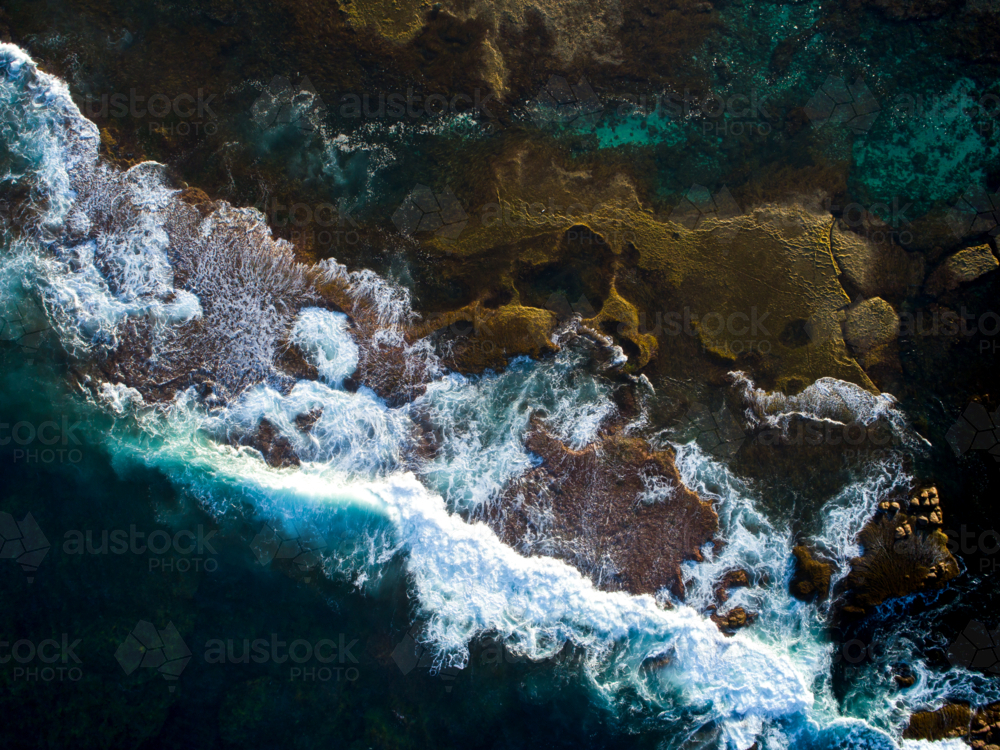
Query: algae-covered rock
(963,267)
(812,577)
(760,290)
(870,325)
(870,268)
(904,551)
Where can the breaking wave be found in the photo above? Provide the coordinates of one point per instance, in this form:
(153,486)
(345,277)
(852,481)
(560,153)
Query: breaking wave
(198,309)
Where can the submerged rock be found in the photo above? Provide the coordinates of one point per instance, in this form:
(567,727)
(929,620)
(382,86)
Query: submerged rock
(963,267)
(275,447)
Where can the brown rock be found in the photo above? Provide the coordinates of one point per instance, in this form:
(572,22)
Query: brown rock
(587,507)
(731,580)
(275,447)
(980,727)
(733,620)
(961,268)
(897,561)
(735,579)
(199,199)
(306,421)
(812,576)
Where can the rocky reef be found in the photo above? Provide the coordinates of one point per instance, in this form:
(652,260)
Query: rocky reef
(616,509)
(979,727)
(905,551)
(812,577)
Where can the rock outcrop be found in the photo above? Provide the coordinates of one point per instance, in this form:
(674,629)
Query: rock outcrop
(905,551)
(963,267)
(980,727)
(812,577)
(615,509)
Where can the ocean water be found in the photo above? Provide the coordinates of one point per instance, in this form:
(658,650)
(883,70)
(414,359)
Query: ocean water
(373,531)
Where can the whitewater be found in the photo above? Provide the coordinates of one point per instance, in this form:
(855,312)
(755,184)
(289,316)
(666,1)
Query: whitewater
(769,684)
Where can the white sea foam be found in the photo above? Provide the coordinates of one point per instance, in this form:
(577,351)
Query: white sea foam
(764,684)
(827,400)
(324,337)
(483,421)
